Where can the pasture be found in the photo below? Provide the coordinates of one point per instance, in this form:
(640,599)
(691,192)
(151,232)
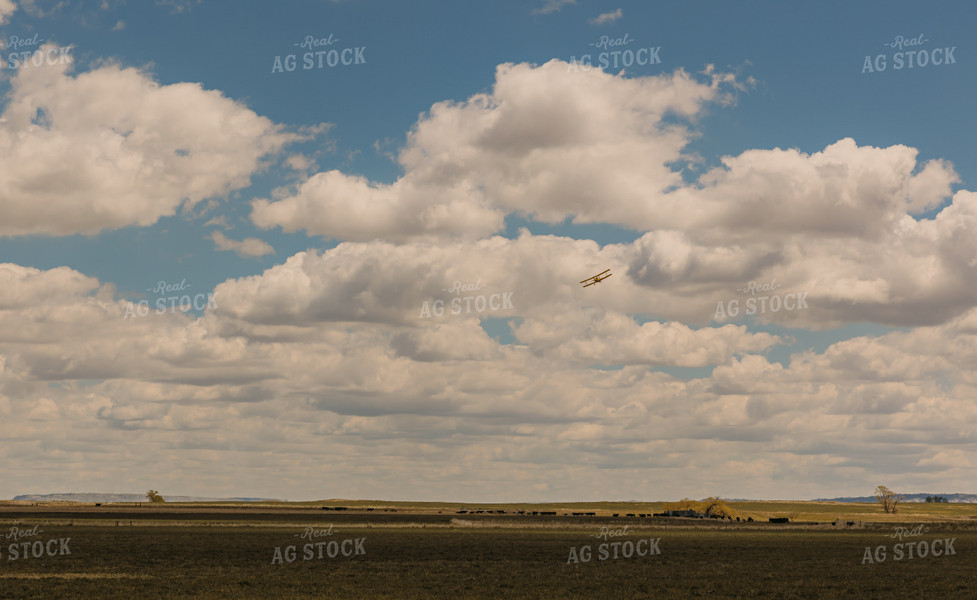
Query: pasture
(430,551)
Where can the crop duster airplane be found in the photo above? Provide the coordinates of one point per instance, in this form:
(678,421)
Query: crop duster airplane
(596,278)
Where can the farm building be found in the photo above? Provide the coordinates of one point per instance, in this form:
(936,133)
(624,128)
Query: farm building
(680,513)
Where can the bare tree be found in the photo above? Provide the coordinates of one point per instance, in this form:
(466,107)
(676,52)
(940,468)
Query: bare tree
(685,504)
(888,499)
(716,506)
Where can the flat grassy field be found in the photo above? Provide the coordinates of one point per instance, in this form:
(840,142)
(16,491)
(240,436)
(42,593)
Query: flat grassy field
(207,551)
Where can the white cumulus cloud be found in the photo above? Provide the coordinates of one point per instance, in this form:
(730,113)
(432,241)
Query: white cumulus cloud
(110,147)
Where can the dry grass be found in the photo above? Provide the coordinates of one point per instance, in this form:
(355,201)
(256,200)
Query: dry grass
(421,554)
(73,576)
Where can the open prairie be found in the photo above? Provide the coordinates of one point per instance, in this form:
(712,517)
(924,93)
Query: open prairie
(405,550)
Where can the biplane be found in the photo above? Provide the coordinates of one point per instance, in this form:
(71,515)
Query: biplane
(597,278)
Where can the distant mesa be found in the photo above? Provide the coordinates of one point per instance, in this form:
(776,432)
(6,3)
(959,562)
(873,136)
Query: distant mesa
(96,497)
(908,498)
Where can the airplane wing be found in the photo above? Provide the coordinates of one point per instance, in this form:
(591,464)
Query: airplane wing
(596,277)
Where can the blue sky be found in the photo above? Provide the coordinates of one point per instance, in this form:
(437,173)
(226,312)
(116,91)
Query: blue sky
(324,206)
(807,60)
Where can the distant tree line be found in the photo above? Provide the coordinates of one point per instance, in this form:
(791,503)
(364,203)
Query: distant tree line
(936,499)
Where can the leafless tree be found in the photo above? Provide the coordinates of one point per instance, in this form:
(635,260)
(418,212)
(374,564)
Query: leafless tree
(888,499)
